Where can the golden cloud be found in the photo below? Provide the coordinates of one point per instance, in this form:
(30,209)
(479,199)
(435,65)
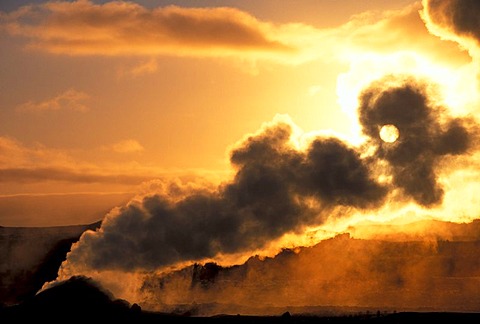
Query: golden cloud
(128,146)
(124,28)
(399,31)
(20,163)
(70,99)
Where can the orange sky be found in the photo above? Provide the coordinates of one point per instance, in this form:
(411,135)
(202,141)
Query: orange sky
(98,97)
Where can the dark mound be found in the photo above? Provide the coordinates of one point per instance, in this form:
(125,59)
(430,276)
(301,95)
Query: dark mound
(32,256)
(76,298)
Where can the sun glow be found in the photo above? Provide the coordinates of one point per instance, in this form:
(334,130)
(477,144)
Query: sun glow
(456,86)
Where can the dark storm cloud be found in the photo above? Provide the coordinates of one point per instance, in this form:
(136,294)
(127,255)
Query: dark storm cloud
(427,133)
(460,16)
(267,198)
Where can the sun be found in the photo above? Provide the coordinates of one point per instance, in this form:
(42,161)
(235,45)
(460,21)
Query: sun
(389,133)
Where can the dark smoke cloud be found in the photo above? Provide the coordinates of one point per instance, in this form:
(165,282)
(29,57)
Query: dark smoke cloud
(459,16)
(279,189)
(427,134)
(268,197)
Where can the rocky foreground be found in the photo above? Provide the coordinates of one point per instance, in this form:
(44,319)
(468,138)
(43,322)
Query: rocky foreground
(414,280)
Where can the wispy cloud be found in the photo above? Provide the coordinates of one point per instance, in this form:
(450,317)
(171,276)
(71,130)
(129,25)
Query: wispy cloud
(127,146)
(70,99)
(14,153)
(68,175)
(142,68)
(20,163)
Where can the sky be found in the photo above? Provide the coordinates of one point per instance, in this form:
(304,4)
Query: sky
(214,130)
(99,98)
(106,101)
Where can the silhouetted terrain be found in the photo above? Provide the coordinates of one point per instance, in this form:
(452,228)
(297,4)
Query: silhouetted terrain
(80,298)
(431,275)
(77,298)
(32,256)
(419,231)
(339,280)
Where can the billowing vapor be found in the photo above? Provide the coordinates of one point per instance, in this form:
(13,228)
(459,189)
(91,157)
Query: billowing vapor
(425,135)
(282,188)
(459,17)
(277,190)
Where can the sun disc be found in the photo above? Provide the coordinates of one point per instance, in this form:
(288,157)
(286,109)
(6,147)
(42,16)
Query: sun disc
(389,133)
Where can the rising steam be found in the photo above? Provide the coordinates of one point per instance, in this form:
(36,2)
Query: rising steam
(277,189)
(426,133)
(280,189)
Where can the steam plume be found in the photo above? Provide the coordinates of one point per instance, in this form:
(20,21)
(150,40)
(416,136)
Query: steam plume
(457,16)
(270,195)
(281,189)
(427,133)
